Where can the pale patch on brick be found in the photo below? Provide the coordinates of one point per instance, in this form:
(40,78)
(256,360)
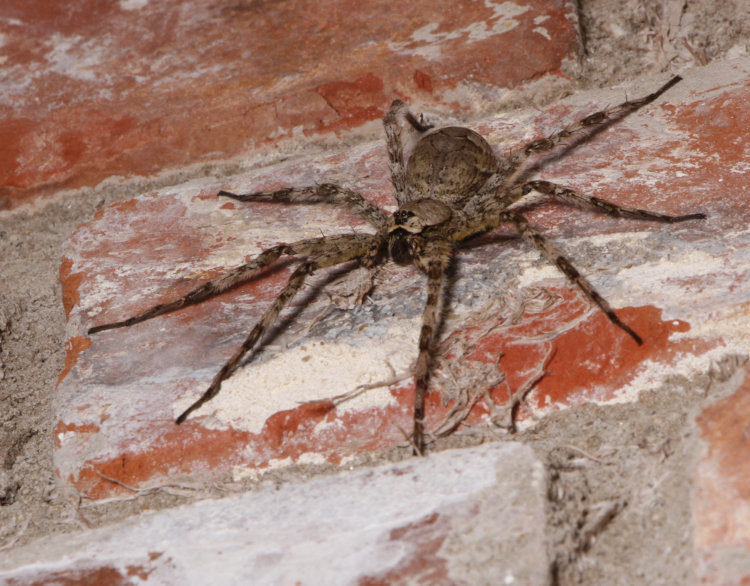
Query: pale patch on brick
(314,371)
(652,375)
(427,41)
(133,4)
(76,57)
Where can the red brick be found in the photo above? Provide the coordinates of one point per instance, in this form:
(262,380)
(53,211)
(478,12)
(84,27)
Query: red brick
(459,517)
(98,90)
(131,383)
(722,496)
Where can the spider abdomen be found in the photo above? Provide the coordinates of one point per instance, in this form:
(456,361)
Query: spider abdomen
(450,165)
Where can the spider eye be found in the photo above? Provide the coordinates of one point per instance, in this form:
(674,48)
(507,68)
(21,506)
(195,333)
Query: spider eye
(401,216)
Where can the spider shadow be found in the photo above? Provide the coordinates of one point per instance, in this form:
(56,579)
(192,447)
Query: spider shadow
(566,148)
(306,296)
(491,238)
(480,241)
(452,276)
(313,290)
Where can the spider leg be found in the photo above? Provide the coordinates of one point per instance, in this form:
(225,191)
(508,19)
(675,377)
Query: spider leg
(205,291)
(325,192)
(241,273)
(434,261)
(518,158)
(553,255)
(594,203)
(324,253)
(394,126)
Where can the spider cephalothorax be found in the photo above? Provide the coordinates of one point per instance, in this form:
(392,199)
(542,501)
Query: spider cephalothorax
(450,185)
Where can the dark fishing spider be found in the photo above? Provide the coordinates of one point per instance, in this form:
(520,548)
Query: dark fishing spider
(450,185)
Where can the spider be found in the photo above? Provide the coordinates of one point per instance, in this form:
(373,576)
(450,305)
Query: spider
(450,186)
